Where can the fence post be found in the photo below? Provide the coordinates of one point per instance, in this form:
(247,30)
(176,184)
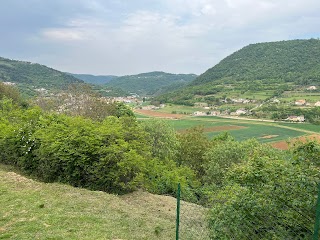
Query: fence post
(178,212)
(317,223)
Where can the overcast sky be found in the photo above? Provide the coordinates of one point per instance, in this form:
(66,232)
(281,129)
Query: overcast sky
(120,37)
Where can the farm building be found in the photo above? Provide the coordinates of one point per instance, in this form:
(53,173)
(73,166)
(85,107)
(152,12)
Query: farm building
(296,118)
(301,102)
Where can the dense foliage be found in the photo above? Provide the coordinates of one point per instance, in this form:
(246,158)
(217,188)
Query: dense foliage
(253,191)
(151,83)
(30,76)
(270,68)
(295,60)
(94,79)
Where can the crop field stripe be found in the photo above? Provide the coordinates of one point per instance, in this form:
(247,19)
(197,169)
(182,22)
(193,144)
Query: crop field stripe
(265,131)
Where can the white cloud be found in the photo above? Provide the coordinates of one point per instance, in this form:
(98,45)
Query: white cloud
(63,34)
(124,37)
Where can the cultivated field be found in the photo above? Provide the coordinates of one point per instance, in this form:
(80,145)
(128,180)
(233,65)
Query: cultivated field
(241,129)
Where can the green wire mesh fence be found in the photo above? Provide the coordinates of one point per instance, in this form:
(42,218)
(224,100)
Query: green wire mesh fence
(191,221)
(256,218)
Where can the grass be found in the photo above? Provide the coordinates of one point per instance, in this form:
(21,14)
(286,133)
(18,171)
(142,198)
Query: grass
(140,115)
(35,210)
(304,126)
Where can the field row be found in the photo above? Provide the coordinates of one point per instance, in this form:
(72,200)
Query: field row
(240,129)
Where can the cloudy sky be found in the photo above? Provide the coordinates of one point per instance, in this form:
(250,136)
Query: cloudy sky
(122,37)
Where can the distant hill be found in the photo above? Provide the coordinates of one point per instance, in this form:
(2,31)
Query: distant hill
(94,79)
(295,60)
(258,69)
(30,76)
(152,83)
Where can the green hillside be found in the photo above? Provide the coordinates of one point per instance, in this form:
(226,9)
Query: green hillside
(94,79)
(296,60)
(30,76)
(258,71)
(152,83)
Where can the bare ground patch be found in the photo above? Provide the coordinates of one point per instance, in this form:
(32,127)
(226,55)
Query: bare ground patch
(269,136)
(284,145)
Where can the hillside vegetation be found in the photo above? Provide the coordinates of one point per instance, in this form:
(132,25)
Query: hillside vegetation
(257,71)
(251,191)
(94,79)
(152,83)
(292,61)
(30,76)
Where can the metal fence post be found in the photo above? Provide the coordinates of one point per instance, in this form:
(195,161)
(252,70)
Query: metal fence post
(178,212)
(317,223)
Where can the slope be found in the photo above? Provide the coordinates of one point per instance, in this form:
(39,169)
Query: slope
(31,209)
(257,71)
(94,79)
(151,83)
(30,76)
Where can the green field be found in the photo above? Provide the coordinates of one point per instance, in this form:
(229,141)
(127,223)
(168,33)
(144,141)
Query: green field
(140,115)
(249,129)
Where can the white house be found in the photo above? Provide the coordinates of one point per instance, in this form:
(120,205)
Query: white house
(312,88)
(199,113)
(300,102)
(296,118)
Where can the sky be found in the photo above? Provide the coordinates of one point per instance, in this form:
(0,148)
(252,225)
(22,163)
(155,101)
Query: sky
(123,37)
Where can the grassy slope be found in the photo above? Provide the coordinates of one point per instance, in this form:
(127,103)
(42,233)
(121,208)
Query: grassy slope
(35,210)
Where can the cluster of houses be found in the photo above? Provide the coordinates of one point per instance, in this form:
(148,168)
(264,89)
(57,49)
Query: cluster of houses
(238,112)
(9,83)
(303,102)
(152,107)
(295,118)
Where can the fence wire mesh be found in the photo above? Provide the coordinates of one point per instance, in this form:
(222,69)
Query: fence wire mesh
(261,218)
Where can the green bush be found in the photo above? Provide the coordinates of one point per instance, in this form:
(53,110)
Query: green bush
(265,197)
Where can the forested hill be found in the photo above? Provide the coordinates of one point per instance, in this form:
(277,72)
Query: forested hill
(151,83)
(291,61)
(262,70)
(30,76)
(94,79)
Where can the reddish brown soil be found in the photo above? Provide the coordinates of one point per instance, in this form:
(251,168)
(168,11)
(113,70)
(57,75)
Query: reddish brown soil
(159,114)
(283,145)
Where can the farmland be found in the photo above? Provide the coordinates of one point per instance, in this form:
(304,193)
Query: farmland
(240,129)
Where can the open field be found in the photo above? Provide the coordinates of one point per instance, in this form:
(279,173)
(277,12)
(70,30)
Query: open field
(242,129)
(35,210)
